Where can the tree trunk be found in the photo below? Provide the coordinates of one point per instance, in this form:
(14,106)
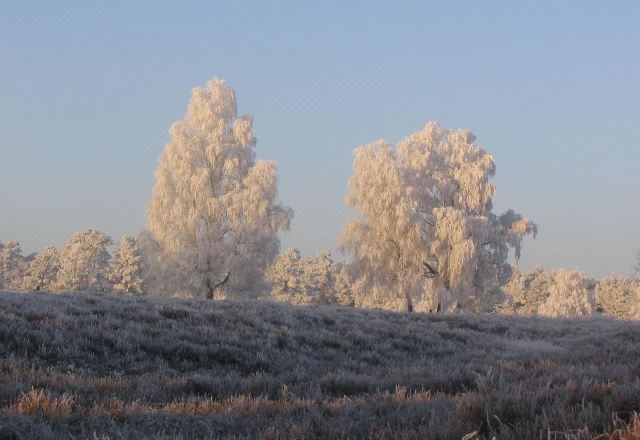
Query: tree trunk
(407,296)
(403,291)
(211,289)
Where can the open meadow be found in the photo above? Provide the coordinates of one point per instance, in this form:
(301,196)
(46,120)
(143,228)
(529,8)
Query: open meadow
(125,367)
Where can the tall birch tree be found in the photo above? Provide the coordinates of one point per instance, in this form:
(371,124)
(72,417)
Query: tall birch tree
(213,213)
(425,230)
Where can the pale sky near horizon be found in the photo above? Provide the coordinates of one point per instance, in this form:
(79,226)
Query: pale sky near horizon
(88,91)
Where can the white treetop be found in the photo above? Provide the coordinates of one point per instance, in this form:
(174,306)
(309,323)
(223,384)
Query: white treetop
(285,275)
(310,280)
(618,297)
(569,296)
(343,290)
(527,291)
(425,224)
(213,212)
(84,262)
(10,268)
(43,271)
(318,277)
(125,268)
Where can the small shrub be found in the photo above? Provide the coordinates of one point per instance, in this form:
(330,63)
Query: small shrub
(569,296)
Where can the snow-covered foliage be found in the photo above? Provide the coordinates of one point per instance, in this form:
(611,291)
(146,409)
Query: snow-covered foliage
(84,262)
(618,297)
(571,295)
(311,280)
(11,267)
(318,277)
(526,291)
(285,276)
(565,293)
(213,213)
(425,231)
(42,273)
(125,268)
(343,290)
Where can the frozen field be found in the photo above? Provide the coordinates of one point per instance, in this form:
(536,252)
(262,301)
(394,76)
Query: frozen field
(110,367)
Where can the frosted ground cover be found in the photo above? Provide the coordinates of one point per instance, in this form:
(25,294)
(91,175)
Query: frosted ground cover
(79,365)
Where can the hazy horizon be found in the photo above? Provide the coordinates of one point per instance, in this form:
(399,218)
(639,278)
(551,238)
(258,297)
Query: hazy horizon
(88,93)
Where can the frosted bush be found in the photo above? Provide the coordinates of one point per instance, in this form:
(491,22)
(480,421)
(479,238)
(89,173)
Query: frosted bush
(526,291)
(285,276)
(343,290)
(43,271)
(311,280)
(12,265)
(125,269)
(318,277)
(618,297)
(84,262)
(569,296)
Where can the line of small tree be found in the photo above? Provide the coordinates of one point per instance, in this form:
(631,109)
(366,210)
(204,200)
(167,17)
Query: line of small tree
(564,293)
(558,293)
(83,264)
(311,280)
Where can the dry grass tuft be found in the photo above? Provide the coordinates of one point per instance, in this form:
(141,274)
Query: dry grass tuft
(41,403)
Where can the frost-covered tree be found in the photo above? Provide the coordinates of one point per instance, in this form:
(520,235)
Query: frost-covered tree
(425,224)
(10,265)
(343,290)
(213,213)
(617,296)
(318,276)
(125,269)
(285,275)
(526,291)
(43,271)
(84,262)
(311,280)
(570,295)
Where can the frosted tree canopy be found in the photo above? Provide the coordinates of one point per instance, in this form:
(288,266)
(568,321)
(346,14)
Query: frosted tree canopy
(213,211)
(425,229)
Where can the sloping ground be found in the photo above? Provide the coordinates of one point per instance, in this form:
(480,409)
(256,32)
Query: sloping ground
(108,367)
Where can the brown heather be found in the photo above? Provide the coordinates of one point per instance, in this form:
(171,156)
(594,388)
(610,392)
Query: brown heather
(113,367)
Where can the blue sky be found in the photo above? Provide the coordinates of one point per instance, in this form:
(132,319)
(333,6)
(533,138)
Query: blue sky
(88,91)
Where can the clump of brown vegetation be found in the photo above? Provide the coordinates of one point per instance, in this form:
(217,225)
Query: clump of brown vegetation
(114,367)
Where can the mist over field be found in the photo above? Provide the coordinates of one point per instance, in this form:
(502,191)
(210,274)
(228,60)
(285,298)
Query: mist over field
(408,221)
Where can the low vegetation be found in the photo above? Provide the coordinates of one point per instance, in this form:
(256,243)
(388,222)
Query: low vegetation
(120,367)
